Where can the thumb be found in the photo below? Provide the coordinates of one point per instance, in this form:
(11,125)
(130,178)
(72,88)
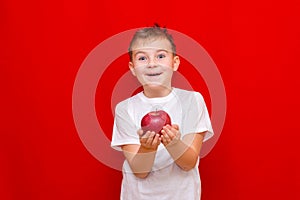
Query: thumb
(175,126)
(140,132)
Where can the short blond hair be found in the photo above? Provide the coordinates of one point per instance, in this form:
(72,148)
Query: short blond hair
(152,33)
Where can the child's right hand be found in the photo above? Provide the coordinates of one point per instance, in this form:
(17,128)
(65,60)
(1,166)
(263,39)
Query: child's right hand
(149,140)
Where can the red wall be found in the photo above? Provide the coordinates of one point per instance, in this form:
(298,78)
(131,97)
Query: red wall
(254,44)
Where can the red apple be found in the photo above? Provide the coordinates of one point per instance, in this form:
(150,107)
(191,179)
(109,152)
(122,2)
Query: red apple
(155,120)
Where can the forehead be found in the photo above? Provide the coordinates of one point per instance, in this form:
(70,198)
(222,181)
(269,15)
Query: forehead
(152,43)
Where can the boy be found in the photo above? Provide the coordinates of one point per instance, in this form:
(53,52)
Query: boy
(160,166)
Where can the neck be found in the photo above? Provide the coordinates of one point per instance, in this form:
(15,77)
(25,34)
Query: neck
(156,91)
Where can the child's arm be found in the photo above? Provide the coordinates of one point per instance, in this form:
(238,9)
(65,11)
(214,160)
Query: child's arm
(141,157)
(184,152)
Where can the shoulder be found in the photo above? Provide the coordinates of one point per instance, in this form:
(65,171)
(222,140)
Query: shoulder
(188,95)
(125,104)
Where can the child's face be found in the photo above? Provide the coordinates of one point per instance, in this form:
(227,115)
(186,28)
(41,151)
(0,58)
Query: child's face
(153,62)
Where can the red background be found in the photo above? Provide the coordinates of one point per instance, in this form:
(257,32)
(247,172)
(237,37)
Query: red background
(254,44)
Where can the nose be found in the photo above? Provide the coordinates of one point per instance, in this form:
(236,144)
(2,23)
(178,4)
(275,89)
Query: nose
(152,62)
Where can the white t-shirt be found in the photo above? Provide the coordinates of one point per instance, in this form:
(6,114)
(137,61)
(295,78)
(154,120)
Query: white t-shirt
(166,181)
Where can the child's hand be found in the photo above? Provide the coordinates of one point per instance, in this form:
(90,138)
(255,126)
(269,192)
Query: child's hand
(149,140)
(170,134)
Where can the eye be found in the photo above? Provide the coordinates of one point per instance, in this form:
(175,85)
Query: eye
(161,56)
(142,58)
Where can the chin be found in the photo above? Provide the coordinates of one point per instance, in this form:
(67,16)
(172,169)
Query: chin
(156,86)
(153,84)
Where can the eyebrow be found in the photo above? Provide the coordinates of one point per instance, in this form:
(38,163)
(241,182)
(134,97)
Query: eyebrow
(140,51)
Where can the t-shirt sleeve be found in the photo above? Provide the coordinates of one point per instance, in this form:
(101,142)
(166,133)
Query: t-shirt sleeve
(124,130)
(197,118)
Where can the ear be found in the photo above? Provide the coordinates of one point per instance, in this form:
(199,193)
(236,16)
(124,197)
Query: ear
(176,63)
(131,67)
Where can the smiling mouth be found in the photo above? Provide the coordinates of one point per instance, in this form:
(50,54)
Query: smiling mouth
(154,74)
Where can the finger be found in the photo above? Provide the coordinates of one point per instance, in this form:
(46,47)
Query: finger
(145,135)
(156,140)
(169,132)
(173,131)
(164,133)
(150,138)
(175,126)
(160,138)
(141,132)
(165,138)
(144,138)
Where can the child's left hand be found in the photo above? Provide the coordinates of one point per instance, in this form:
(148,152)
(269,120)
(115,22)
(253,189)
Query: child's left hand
(170,134)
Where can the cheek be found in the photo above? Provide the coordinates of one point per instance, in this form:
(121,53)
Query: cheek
(137,68)
(168,71)
(138,71)
(167,65)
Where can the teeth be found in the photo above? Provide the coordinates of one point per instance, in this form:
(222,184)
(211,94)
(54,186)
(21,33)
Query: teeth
(154,74)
